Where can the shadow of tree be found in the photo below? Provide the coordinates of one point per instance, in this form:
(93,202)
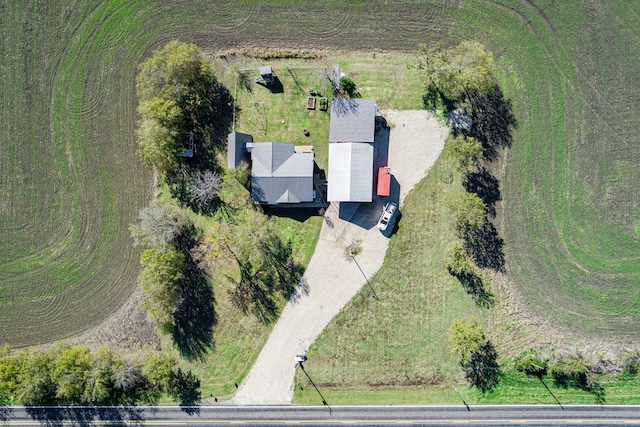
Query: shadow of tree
(576,373)
(493,121)
(474,286)
(486,186)
(276,86)
(186,389)
(195,316)
(433,100)
(245,81)
(6,413)
(61,415)
(483,370)
(485,246)
(260,282)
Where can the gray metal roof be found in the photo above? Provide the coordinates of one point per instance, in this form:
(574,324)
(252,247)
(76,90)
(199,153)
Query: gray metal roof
(280,175)
(280,190)
(350,172)
(266,69)
(352,120)
(236,152)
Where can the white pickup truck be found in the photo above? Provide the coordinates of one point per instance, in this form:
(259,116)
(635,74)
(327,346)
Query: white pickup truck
(386,217)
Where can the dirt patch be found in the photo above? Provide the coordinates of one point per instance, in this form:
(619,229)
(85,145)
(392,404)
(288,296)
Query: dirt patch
(128,329)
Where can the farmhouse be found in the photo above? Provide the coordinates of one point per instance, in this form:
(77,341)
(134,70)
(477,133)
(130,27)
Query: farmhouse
(351,136)
(282,174)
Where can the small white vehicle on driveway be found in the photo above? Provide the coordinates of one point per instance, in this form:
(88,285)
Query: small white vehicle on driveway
(387,215)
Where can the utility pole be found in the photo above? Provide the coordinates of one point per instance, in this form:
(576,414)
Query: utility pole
(324,402)
(365,277)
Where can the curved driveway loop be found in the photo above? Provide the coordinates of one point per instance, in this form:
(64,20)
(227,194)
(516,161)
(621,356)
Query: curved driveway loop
(410,148)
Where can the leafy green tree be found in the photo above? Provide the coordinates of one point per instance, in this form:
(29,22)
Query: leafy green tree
(348,86)
(159,370)
(159,145)
(265,263)
(35,383)
(466,336)
(162,269)
(75,375)
(458,262)
(69,372)
(176,72)
(457,72)
(98,387)
(173,86)
(10,368)
(532,364)
(467,151)
(469,214)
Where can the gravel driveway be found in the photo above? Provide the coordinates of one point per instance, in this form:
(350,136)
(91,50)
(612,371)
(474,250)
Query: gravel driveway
(410,148)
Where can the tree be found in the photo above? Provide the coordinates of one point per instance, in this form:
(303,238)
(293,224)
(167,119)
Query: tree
(532,364)
(469,214)
(466,337)
(348,86)
(574,370)
(35,383)
(483,370)
(176,72)
(457,262)
(159,369)
(98,387)
(205,187)
(456,73)
(158,227)
(265,263)
(173,86)
(159,277)
(76,375)
(69,372)
(467,151)
(159,145)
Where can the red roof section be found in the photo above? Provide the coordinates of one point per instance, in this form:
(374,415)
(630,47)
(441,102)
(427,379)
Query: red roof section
(384,181)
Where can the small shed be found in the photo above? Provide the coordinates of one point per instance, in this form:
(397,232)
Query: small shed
(384,181)
(266,72)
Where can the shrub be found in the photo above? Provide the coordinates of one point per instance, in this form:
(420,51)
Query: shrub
(532,364)
(348,86)
(466,336)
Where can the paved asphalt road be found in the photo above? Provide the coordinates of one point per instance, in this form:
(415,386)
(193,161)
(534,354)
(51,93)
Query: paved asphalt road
(340,415)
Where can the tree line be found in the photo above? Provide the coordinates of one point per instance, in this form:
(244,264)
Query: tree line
(461,82)
(76,375)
